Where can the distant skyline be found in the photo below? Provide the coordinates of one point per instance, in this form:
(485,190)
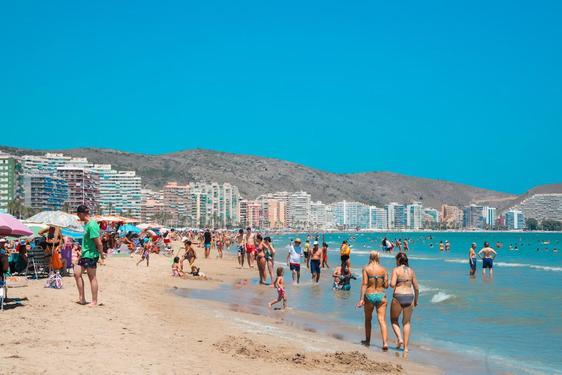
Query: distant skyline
(469,93)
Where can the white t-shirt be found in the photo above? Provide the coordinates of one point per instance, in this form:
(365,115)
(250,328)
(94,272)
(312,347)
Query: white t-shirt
(295,255)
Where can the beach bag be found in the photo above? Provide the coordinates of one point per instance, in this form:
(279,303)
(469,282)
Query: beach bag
(54,280)
(56,260)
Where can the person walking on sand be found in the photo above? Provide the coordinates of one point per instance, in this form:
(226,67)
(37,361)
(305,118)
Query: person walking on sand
(250,243)
(241,247)
(260,259)
(472,258)
(207,239)
(405,298)
(91,252)
(372,296)
(294,260)
(269,256)
(315,258)
(488,255)
(280,286)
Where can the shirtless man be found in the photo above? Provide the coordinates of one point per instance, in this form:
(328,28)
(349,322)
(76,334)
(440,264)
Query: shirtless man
(241,248)
(487,254)
(315,258)
(250,243)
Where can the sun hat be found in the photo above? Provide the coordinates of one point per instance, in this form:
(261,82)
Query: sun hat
(298,240)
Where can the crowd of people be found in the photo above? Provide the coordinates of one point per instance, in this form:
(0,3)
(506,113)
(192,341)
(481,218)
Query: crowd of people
(254,250)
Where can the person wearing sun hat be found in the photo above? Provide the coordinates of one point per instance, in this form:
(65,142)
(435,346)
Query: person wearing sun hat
(294,260)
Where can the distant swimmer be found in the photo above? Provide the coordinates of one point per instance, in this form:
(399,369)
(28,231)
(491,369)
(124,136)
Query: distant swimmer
(406,245)
(472,258)
(447,245)
(441,246)
(488,255)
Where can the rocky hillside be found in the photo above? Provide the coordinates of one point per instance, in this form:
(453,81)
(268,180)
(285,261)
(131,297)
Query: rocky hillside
(256,175)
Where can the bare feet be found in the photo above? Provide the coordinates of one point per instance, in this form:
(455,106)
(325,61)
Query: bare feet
(365,342)
(399,345)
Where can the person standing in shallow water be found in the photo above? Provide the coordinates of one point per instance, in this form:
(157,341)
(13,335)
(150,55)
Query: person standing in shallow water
(472,258)
(372,296)
(405,298)
(315,259)
(294,260)
(488,255)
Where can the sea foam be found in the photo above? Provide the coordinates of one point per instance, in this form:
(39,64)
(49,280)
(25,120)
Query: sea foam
(440,297)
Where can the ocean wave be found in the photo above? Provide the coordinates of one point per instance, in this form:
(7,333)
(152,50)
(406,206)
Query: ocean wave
(441,297)
(533,266)
(463,261)
(427,289)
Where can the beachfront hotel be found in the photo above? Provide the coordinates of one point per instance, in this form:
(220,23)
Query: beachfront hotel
(515,220)
(10,173)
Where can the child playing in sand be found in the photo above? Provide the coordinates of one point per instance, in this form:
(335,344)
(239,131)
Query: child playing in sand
(176,272)
(279,285)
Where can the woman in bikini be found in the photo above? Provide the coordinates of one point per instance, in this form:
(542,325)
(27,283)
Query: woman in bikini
(405,298)
(260,258)
(375,281)
(269,256)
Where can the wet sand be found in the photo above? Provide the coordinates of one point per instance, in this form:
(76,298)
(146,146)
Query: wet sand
(143,327)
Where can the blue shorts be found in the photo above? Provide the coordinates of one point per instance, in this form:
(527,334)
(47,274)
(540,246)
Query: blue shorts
(487,263)
(315,266)
(207,245)
(88,263)
(472,263)
(295,267)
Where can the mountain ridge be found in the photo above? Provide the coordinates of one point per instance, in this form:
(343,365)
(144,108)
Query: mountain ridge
(255,175)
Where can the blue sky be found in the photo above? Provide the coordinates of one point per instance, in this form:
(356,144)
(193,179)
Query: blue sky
(464,91)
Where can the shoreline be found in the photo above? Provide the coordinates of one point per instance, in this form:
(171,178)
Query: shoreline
(141,327)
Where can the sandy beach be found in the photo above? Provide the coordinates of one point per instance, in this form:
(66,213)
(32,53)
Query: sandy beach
(142,327)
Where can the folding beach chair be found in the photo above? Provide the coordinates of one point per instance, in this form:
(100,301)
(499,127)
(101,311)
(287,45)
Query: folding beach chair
(37,263)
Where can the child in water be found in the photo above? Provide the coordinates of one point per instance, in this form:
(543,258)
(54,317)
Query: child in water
(279,285)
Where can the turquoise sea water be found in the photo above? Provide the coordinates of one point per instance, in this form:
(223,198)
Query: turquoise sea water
(512,322)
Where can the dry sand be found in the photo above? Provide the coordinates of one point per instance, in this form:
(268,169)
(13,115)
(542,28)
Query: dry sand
(142,327)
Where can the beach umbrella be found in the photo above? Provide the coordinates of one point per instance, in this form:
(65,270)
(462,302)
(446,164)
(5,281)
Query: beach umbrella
(58,219)
(10,226)
(129,228)
(72,234)
(148,225)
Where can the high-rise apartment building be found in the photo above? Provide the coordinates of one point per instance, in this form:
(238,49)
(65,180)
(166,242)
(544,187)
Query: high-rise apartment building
(515,220)
(82,187)
(299,210)
(44,192)
(451,216)
(10,180)
(414,216)
(542,206)
(473,217)
(377,218)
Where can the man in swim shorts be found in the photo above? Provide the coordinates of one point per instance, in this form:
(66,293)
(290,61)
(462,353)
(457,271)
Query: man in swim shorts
(315,259)
(250,243)
(241,247)
(487,254)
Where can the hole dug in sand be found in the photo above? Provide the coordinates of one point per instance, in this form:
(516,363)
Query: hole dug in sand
(344,362)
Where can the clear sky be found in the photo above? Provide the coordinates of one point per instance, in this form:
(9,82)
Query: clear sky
(468,91)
